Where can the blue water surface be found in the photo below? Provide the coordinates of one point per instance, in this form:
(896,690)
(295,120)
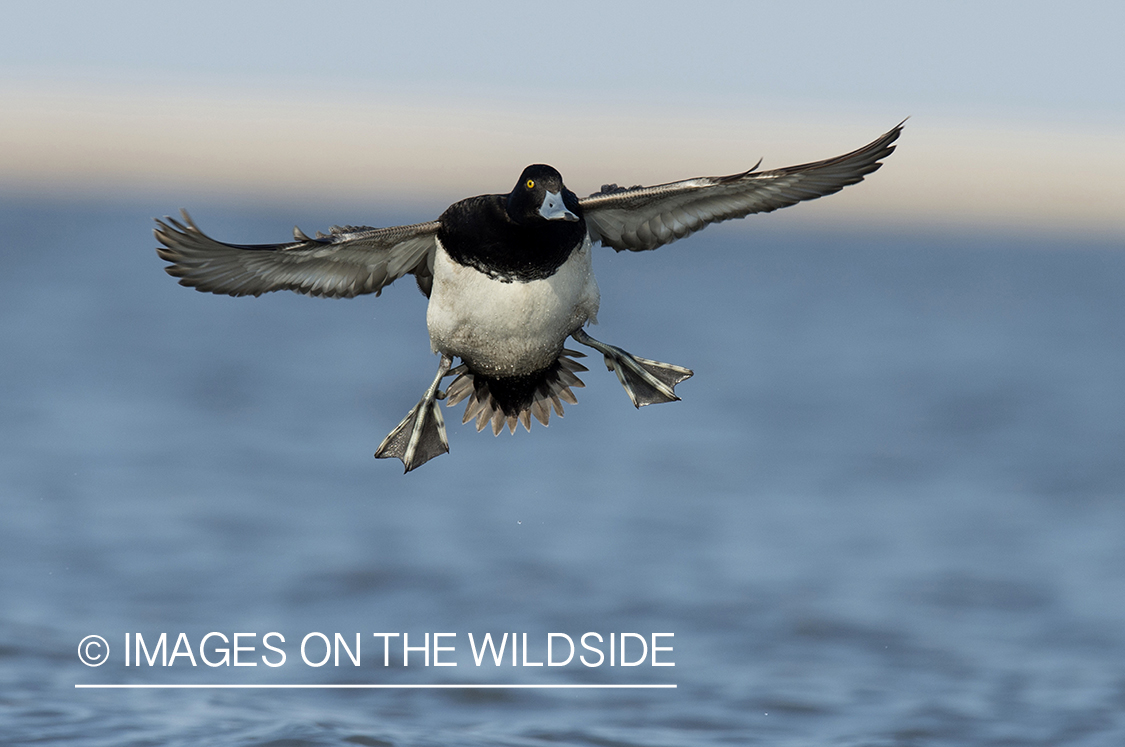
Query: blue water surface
(888,511)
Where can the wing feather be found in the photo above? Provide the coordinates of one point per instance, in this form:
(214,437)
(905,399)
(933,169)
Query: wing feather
(346,262)
(643,218)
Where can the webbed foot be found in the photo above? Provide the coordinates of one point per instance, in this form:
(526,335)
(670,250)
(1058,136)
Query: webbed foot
(421,435)
(647,382)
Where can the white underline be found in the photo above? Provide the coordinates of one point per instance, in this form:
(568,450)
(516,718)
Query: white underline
(375,687)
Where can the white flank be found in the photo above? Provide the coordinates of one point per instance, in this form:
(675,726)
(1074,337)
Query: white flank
(508,329)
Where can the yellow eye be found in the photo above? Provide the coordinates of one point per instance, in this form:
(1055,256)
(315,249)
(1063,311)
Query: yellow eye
(531,184)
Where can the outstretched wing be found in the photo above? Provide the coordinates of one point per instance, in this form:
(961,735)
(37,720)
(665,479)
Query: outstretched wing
(348,261)
(645,218)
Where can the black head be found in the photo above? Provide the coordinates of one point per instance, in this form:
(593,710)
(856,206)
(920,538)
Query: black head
(540,196)
(524,235)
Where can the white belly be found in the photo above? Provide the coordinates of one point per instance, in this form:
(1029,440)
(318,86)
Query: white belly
(508,329)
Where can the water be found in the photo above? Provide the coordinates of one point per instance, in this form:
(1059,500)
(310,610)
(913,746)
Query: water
(888,511)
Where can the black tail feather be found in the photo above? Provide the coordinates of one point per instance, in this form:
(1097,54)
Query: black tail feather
(513,400)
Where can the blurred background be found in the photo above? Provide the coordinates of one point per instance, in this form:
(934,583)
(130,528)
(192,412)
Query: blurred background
(888,509)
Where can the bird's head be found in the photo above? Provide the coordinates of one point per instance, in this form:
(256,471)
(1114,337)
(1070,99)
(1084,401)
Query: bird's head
(540,195)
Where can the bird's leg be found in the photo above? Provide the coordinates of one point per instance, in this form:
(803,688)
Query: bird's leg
(646,382)
(421,435)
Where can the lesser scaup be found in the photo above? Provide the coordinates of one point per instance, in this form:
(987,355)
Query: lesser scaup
(508,279)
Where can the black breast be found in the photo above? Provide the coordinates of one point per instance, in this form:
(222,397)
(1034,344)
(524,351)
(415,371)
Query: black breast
(478,233)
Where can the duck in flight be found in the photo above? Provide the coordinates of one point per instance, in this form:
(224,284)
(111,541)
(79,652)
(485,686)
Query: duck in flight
(509,280)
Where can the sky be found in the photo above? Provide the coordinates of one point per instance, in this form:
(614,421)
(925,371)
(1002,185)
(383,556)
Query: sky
(1017,110)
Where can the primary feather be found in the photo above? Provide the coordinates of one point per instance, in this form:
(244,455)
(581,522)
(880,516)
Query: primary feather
(643,218)
(346,262)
